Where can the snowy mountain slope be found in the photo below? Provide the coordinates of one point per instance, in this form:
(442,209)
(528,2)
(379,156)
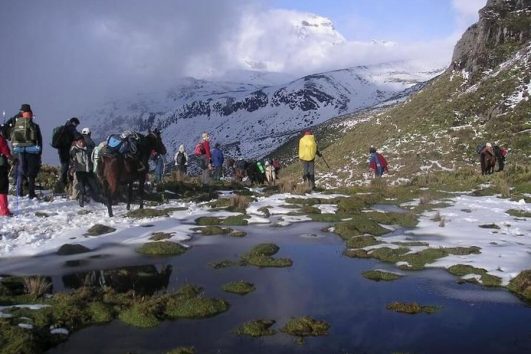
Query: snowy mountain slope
(251,119)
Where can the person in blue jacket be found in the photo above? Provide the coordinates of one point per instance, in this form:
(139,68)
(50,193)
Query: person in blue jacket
(217,162)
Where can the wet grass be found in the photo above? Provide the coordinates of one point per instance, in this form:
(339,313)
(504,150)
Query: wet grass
(161,248)
(257,328)
(305,326)
(378,275)
(519,213)
(361,241)
(159,236)
(146,213)
(236,220)
(521,285)
(411,308)
(486,279)
(225,264)
(357,226)
(261,256)
(75,248)
(239,287)
(212,230)
(208,220)
(237,233)
(182,350)
(99,229)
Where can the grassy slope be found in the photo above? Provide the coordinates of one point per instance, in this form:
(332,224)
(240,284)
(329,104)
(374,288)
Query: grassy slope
(444,122)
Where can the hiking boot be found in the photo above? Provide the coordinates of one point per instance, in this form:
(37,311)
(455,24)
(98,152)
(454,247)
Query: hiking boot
(81,201)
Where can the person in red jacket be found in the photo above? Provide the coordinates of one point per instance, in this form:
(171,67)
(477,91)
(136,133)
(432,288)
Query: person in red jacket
(205,158)
(5,154)
(377,163)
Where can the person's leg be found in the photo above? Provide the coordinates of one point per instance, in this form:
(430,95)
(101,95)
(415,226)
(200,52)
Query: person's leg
(81,187)
(311,173)
(20,175)
(4,188)
(63,178)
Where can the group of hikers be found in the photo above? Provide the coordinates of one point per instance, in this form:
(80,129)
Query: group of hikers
(79,157)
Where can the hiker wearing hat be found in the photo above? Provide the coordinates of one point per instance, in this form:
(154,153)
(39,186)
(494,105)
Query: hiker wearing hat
(83,169)
(88,140)
(62,140)
(307,151)
(26,141)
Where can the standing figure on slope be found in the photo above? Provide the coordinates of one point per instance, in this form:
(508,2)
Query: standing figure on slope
(202,151)
(217,162)
(181,162)
(307,151)
(377,163)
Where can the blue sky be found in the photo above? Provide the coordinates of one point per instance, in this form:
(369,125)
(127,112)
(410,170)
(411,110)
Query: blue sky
(396,20)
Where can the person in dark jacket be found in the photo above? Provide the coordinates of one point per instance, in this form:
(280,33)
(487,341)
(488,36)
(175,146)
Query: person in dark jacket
(83,168)
(26,139)
(217,162)
(64,150)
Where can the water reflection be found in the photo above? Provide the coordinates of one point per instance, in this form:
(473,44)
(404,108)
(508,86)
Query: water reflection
(143,279)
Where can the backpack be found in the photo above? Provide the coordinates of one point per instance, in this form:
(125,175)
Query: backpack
(24,133)
(199,149)
(59,137)
(479,148)
(180,160)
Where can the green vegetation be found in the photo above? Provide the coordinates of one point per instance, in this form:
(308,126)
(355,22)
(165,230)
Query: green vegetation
(213,230)
(519,213)
(161,248)
(146,213)
(208,220)
(239,287)
(190,303)
(236,220)
(357,226)
(182,350)
(305,327)
(159,236)
(68,249)
(486,279)
(411,308)
(378,275)
(261,256)
(237,233)
(257,328)
(361,241)
(521,285)
(99,229)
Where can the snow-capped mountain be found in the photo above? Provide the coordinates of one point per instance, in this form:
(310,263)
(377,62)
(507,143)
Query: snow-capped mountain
(251,119)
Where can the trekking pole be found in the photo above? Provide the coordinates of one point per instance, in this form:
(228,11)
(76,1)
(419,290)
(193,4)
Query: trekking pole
(326,163)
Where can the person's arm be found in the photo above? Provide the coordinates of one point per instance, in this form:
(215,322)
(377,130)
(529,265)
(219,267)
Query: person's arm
(39,139)
(206,145)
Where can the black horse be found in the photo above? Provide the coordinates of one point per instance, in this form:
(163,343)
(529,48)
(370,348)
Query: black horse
(117,169)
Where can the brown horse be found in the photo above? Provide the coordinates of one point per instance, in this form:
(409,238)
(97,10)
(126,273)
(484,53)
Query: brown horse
(488,162)
(116,170)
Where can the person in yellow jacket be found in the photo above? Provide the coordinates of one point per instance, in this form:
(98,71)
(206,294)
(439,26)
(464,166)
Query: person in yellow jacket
(307,151)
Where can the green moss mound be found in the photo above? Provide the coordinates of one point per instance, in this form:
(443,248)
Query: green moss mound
(75,248)
(359,225)
(197,306)
(146,213)
(519,213)
(224,264)
(236,220)
(100,312)
(208,220)
(408,220)
(305,327)
(261,256)
(161,248)
(325,217)
(521,285)
(159,236)
(411,308)
(239,287)
(237,233)
(378,275)
(486,279)
(212,230)
(361,241)
(257,328)
(99,229)
(141,315)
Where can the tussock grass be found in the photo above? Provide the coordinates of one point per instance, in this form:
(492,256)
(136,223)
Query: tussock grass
(37,286)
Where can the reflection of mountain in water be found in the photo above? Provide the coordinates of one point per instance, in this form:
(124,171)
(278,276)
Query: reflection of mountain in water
(145,279)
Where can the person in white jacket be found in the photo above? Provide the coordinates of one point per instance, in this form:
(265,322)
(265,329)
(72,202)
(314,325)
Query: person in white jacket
(181,161)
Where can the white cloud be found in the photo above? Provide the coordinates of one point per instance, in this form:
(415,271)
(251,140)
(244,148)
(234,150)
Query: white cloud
(467,12)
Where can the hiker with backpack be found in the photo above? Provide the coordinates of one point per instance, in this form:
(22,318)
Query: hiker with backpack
(377,163)
(62,139)
(202,151)
(217,162)
(26,141)
(158,160)
(307,151)
(501,154)
(5,155)
(181,161)
(83,169)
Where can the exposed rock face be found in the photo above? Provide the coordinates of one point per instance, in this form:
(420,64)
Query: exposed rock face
(503,27)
